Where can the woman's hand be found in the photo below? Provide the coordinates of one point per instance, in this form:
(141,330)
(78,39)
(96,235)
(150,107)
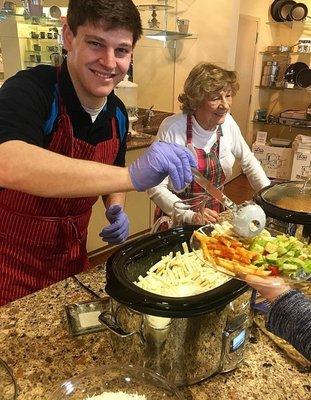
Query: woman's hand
(210,215)
(269,288)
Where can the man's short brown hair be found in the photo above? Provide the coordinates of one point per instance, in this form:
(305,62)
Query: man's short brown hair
(113,13)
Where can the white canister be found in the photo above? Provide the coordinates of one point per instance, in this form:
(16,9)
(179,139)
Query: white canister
(127,91)
(271,69)
(268,80)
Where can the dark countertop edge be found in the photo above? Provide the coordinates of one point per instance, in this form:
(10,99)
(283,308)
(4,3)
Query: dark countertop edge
(133,144)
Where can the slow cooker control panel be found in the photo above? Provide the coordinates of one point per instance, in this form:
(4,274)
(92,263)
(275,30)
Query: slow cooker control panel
(233,343)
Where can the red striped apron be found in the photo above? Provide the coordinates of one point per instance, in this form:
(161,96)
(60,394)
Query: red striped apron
(209,165)
(43,240)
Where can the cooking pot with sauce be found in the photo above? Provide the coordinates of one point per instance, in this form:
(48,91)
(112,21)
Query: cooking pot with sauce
(288,207)
(185,339)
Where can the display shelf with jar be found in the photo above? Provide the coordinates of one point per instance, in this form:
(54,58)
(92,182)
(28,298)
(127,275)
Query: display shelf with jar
(286,70)
(41,43)
(160,22)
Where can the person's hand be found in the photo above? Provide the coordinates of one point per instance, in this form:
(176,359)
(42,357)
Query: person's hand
(210,215)
(160,160)
(118,230)
(269,287)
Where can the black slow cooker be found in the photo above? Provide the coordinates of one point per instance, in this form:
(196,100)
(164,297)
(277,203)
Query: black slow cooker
(288,207)
(185,339)
(136,258)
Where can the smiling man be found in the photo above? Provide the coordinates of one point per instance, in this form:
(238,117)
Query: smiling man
(62,143)
(71,111)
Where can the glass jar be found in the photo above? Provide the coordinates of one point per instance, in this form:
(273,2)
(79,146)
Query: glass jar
(129,381)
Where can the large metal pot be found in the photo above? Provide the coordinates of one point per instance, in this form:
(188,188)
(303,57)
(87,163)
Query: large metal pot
(287,206)
(185,339)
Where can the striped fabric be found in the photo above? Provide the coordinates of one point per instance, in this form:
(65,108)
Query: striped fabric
(209,165)
(43,240)
(289,318)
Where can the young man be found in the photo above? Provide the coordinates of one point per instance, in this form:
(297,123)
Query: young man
(62,143)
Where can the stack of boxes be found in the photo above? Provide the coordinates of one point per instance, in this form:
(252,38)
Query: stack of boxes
(276,161)
(288,163)
(301,168)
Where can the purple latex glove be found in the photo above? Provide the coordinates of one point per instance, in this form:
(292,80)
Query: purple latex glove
(118,230)
(160,160)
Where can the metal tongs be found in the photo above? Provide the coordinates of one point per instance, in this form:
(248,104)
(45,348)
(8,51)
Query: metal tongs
(249,218)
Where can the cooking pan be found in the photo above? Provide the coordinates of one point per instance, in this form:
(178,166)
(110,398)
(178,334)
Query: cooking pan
(304,78)
(274,10)
(292,71)
(298,12)
(289,218)
(284,10)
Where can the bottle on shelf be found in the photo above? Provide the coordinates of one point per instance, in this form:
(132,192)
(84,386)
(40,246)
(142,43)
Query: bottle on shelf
(308,112)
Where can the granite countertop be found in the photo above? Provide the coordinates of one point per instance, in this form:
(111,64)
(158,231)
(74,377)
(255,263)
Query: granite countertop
(36,344)
(139,143)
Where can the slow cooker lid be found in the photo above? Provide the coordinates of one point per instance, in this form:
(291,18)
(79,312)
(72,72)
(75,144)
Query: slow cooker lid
(289,196)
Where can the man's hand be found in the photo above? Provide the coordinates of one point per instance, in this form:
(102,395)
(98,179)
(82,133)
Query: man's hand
(159,161)
(118,230)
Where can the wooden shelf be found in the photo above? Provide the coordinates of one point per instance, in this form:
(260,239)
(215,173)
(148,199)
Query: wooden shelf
(283,88)
(306,23)
(284,53)
(286,125)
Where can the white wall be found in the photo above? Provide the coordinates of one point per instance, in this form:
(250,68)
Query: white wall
(161,71)
(215,24)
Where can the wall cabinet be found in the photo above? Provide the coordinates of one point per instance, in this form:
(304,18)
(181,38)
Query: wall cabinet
(138,207)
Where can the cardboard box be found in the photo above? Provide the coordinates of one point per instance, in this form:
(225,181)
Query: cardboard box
(301,165)
(276,161)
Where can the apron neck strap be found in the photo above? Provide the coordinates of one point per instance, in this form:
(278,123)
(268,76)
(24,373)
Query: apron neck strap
(189,129)
(61,104)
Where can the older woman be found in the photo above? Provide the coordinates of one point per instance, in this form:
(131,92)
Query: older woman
(206,126)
